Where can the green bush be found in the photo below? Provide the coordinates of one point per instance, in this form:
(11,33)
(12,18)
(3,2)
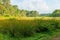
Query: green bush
(58,24)
(46,25)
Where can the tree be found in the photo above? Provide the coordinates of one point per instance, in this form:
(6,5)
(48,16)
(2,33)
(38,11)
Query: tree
(17,11)
(2,10)
(23,13)
(35,14)
(56,13)
(7,9)
(32,14)
(6,2)
(0,1)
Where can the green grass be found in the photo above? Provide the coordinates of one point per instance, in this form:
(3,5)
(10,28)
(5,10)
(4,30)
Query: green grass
(37,36)
(37,29)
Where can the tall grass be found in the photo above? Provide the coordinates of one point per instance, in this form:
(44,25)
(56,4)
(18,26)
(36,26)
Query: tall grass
(25,28)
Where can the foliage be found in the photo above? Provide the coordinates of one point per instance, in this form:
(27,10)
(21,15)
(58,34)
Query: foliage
(13,10)
(26,28)
(56,13)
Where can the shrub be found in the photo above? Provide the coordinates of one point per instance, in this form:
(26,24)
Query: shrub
(46,25)
(57,24)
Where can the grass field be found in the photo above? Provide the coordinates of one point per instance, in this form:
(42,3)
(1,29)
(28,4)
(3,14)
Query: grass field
(29,18)
(29,28)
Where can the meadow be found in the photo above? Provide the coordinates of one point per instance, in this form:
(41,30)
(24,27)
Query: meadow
(21,24)
(29,28)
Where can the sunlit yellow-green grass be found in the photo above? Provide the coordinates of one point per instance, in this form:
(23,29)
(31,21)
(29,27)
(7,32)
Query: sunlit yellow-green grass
(29,18)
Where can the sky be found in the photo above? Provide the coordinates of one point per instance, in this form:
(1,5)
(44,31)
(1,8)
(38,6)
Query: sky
(42,6)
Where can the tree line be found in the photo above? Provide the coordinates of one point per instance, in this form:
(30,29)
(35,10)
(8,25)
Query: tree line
(6,9)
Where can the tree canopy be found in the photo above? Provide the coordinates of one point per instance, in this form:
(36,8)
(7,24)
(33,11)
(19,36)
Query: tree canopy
(7,9)
(56,13)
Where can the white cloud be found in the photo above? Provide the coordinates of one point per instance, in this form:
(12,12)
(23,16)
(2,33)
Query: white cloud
(39,5)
